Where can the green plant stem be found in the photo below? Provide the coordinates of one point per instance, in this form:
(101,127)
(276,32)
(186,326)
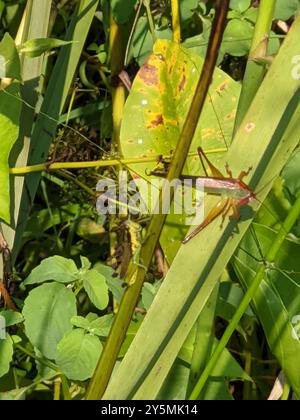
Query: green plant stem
(271,256)
(176,21)
(93,193)
(132,32)
(45,362)
(150,19)
(117,334)
(96,163)
(81,185)
(118,91)
(255,71)
(57,386)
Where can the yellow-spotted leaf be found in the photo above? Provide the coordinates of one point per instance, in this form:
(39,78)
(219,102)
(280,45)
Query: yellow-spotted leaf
(156,110)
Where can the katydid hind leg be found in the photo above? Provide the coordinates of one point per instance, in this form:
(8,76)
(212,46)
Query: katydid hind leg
(212,215)
(228,170)
(215,172)
(225,213)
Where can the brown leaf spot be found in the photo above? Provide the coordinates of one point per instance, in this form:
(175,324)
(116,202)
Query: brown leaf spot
(230,116)
(207,132)
(157,121)
(148,74)
(222,87)
(182,83)
(249,127)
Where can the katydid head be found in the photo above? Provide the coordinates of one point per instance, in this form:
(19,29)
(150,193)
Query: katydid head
(248,194)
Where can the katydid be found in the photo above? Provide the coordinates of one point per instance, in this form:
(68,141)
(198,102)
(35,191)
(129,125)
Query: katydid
(233,191)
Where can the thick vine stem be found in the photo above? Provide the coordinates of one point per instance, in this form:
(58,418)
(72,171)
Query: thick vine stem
(176,21)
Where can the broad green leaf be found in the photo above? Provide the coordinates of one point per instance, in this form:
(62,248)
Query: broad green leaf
(187,8)
(44,371)
(251,14)
(85,263)
(237,37)
(6,353)
(286,8)
(159,101)
(91,317)
(240,5)
(36,47)
(11,317)
(80,322)
(198,43)
(148,294)
(89,230)
(101,326)
(93,324)
(155,112)
(77,354)
(48,311)
(274,44)
(143,40)
(14,395)
(277,303)
(114,283)
(96,288)
(10,110)
(55,268)
(263,143)
(123,11)
(10,66)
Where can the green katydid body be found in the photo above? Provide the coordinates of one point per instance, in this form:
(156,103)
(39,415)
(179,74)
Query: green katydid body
(224,187)
(233,191)
(234,194)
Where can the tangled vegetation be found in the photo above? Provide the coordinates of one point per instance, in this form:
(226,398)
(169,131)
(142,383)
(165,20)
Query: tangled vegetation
(99,101)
